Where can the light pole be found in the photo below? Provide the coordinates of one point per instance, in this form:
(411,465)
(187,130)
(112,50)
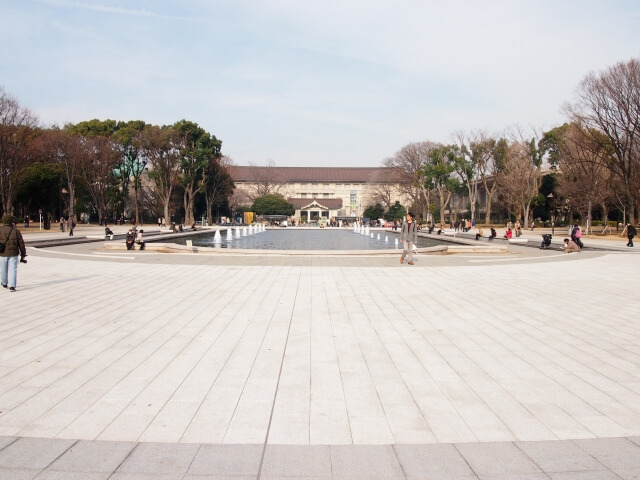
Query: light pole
(553,213)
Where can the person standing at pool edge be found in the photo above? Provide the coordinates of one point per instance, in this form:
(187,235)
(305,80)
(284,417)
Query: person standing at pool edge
(409,236)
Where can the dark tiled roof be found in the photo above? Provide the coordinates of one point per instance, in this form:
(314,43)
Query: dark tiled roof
(310,174)
(331,203)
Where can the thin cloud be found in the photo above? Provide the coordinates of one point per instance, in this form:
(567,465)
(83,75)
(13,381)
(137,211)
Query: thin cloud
(109,9)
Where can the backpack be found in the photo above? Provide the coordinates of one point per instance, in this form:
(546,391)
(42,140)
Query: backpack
(578,233)
(3,245)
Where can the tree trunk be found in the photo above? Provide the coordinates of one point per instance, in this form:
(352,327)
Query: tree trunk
(455,210)
(473,198)
(185,202)
(188,204)
(487,216)
(443,204)
(70,201)
(209,211)
(135,202)
(605,217)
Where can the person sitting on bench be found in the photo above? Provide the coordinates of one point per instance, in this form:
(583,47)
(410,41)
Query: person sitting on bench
(139,240)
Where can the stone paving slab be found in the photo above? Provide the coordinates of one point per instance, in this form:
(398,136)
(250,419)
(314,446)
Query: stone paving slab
(562,459)
(520,369)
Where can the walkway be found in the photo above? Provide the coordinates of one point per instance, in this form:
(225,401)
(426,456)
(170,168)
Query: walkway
(513,367)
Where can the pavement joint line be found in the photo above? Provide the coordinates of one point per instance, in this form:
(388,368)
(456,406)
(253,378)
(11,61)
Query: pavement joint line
(275,393)
(226,362)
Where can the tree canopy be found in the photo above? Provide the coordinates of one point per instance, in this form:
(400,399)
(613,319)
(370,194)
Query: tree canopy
(273,204)
(396,212)
(374,211)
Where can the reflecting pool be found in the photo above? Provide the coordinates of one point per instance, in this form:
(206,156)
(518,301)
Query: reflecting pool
(305,239)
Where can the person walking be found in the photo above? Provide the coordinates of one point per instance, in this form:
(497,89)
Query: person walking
(631,232)
(409,236)
(13,243)
(576,235)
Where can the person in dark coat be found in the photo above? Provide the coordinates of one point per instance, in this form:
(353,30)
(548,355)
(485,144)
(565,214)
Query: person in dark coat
(631,232)
(13,247)
(130,239)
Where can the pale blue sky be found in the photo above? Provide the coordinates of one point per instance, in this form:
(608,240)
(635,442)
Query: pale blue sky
(311,83)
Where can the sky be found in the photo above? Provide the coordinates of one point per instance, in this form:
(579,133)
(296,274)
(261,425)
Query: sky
(312,83)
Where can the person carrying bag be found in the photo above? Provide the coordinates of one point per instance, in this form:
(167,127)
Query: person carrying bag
(11,245)
(409,236)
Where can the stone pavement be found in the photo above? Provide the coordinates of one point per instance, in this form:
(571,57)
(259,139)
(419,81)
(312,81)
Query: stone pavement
(178,367)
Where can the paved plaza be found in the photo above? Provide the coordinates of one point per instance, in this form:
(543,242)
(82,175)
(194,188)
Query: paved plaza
(139,365)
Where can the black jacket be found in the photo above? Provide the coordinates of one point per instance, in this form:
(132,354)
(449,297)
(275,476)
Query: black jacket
(12,238)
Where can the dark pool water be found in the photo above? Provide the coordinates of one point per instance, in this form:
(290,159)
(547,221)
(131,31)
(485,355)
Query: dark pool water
(304,239)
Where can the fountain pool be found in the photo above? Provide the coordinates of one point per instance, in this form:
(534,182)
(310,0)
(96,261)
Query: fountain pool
(303,239)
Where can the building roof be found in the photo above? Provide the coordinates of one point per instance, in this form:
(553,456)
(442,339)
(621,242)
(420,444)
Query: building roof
(309,174)
(330,203)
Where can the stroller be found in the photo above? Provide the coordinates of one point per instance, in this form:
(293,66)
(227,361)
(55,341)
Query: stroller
(546,241)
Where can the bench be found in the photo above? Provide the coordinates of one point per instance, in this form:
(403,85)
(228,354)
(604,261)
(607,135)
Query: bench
(100,237)
(518,240)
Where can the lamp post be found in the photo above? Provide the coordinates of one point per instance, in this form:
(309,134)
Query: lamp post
(553,213)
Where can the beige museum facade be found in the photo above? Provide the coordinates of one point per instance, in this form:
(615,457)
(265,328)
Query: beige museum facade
(316,192)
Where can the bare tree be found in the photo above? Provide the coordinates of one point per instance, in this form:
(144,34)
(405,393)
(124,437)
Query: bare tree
(160,146)
(585,176)
(264,180)
(17,130)
(102,157)
(489,153)
(609,102)
(520,178)
(385,189)
(239,198)
(407,172)
(71,152)
(218,184)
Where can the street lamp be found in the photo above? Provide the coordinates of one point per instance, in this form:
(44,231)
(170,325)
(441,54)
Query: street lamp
(63,192)
(553,213)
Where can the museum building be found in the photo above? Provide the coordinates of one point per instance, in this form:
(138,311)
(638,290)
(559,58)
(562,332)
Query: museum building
(316,192)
